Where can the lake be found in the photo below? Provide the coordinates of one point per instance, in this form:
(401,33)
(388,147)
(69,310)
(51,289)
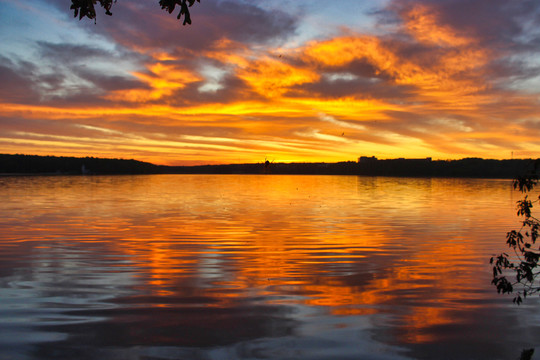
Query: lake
(256,267)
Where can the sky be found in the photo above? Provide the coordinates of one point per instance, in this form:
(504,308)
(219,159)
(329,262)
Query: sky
(311,81)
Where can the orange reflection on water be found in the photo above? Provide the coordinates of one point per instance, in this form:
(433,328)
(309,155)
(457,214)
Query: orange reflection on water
(268,267)
(351,246)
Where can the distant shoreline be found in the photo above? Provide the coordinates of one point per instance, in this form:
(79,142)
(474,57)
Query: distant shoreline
(30,165)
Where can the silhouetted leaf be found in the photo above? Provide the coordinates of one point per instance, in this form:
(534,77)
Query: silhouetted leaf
(526,261)
(85,8)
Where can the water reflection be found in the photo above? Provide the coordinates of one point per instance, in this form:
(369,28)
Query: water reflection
(255,267)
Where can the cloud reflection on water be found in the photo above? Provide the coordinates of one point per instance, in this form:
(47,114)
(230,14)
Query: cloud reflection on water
(312,266)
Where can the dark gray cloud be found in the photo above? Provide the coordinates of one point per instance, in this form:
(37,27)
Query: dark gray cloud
(499,23)
(142,23)
(17,83)
(107,82)
(71,53)
(505,29)
(64,73)
(141,27)
(372,88)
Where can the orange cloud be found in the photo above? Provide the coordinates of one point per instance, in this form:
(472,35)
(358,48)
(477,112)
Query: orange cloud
(272,78)
(162,80)
(442,80)
(424,25)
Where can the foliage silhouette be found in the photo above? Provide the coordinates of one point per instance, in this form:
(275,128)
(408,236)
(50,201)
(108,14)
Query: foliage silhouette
(527,354)
(523,265)
(86,8)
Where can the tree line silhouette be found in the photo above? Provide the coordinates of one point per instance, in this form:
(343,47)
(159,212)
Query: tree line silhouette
(469,167)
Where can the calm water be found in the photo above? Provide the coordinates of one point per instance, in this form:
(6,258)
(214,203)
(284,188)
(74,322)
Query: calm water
(256,267)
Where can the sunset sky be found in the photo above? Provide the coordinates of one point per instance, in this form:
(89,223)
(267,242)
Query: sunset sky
(304,80)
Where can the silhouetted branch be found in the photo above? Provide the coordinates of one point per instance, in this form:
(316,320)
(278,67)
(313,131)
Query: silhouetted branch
(523,243)
(86,8)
